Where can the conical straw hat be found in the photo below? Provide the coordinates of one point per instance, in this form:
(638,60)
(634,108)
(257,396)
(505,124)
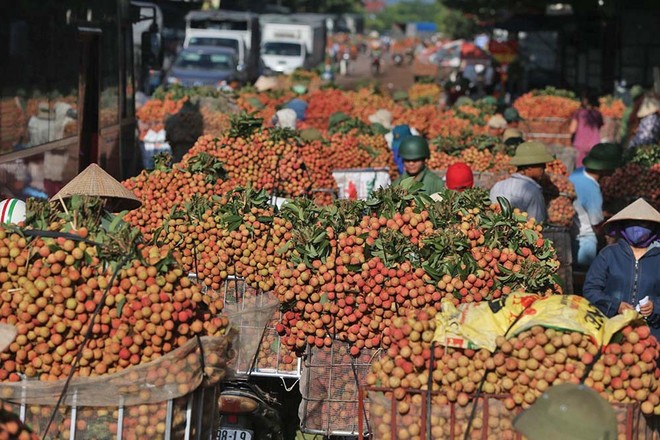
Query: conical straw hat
(7,335)
(648,107)
(94,181)
(637,210)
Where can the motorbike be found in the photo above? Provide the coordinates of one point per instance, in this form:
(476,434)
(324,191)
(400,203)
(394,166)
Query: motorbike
(375,64)
(343,63)
(246,412)
(410,56)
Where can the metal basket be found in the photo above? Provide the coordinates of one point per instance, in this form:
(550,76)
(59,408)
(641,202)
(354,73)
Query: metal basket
(329,386)
(561,238)
(450,421)
(259,349)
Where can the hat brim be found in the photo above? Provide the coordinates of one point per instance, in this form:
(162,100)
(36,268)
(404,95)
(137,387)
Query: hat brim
(534,421)
(599,164)
(94,181)
(639,210)
(642,113)
(531,160)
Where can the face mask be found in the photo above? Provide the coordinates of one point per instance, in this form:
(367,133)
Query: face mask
(638,236)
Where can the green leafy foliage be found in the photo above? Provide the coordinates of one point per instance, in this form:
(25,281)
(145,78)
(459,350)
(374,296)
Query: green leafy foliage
(347,125)
(454,145)
(244,124)
(178,91)
(553,91)
(163,162)
(392,199)
(208,165)
(233,206)
(644,155)
(115,238)
(279,134)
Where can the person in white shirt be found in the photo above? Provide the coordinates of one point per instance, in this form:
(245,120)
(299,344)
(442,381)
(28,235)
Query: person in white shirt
(522,189)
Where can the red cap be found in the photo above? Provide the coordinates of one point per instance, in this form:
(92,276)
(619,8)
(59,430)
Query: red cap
(459,177)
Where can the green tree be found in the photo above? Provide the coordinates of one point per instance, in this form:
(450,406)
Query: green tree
(453,23)
(317,6)
(490,8)
(322,6)
(406,12)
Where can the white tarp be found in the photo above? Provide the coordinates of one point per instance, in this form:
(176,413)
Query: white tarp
(359,183)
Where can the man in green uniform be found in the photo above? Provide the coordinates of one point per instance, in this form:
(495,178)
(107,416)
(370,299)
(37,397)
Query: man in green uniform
(414,151)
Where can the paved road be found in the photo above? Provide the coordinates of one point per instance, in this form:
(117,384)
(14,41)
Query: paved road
(391,76)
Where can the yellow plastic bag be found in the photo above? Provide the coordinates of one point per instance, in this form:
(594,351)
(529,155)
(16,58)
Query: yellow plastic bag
(477,325)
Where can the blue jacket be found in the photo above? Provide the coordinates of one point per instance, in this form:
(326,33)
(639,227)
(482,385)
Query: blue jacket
(615,276)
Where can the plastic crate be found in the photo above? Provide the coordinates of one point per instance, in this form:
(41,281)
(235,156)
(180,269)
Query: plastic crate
(545,125)
(255,313)
(329,386)
(450,420)
(552,131)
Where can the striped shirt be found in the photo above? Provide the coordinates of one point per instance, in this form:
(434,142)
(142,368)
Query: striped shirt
(523,193)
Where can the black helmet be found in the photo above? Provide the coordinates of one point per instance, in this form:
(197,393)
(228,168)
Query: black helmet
(414,148)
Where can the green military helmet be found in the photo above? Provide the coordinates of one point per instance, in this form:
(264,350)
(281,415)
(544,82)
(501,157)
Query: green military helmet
(512,115)
(414,148)
(463,100)
(489,100)
(603,157)
(568,412)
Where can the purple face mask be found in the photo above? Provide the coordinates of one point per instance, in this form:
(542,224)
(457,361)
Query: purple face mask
(639,236)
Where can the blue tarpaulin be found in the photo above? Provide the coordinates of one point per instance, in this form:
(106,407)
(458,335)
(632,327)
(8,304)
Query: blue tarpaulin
(426,27)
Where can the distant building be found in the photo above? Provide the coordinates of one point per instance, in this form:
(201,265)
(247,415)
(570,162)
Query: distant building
(374,6)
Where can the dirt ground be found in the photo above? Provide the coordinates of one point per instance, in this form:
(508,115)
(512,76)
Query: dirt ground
(391,76)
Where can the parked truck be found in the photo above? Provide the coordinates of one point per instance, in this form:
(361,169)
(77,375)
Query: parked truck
(236,30)
(150,18)
(289,42)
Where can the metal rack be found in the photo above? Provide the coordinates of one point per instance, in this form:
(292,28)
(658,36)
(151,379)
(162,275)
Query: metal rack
(247,305)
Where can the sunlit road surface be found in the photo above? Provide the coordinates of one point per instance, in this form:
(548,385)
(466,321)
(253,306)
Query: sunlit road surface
(391,76)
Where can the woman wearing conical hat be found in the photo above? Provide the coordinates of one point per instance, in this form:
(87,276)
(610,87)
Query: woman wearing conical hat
(624,274)
(648,130)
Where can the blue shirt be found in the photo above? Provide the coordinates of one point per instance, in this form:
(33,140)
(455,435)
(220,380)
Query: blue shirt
(589,203)
(523,193)
(299,106)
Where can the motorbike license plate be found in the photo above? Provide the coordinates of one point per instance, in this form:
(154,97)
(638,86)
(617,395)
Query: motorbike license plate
(233,434)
